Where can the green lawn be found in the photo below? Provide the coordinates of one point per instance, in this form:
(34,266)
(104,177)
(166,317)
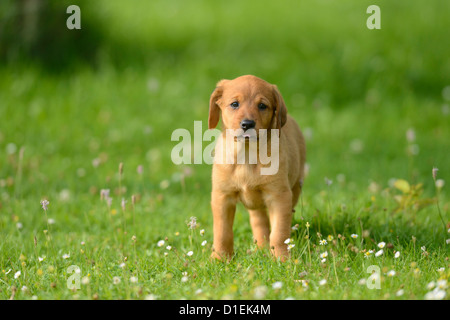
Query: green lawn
(374,106)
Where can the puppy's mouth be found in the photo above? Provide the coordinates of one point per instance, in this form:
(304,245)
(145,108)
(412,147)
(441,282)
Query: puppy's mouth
(247,135)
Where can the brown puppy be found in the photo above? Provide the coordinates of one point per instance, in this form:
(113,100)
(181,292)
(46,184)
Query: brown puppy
(248,104)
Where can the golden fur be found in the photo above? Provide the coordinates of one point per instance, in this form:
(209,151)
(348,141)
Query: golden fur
(270,199)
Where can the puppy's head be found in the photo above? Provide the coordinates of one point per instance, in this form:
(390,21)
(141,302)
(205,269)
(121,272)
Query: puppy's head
(246,103)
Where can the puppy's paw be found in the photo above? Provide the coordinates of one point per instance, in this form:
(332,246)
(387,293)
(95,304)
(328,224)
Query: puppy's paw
(280,252)
(221,256)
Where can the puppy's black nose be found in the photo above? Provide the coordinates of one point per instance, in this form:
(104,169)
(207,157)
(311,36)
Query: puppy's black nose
(247,124)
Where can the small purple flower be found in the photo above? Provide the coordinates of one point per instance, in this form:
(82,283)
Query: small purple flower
(44,204)
(109,202)
(434,172)
(192,224)
(104,194)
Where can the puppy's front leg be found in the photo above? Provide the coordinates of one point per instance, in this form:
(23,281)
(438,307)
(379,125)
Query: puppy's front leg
(260,226)
(223,207)
(280,210)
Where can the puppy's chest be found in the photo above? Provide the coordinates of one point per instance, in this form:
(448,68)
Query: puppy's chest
(248,184)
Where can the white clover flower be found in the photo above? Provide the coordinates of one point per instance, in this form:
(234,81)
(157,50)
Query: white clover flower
(184,279)
(400,292)
(133,279)
(150,297)
(391,273)
(305,283)
(116,280)
(379,253)
(17,274)
(442,284)
(436,294)
(40,259)
(381,245)
(277,285)
(190,253)
(260,292)
(122,265)
(356,145)
(397,254)
(169,248)
(288,240)
(441,269)
(164,184)
(322,282)
(198,291)
(431,285)
(440,183)
(19,225)
(204,243)
(410,135)
(85,280)
(160,243)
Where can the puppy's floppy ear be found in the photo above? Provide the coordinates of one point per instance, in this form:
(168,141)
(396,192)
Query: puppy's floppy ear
(214,110)
(280,108)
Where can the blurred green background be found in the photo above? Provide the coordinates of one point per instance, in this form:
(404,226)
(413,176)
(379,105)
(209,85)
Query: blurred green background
(80,101)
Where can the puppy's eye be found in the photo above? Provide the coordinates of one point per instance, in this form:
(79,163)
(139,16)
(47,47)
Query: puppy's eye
(262,106)
(234,105)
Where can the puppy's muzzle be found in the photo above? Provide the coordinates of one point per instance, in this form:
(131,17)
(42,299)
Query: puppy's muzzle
(246,135)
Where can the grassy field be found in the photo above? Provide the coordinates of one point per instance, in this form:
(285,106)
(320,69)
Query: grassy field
(374,106)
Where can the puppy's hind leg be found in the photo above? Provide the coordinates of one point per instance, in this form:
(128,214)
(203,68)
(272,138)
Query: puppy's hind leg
(296,191)
(280,210)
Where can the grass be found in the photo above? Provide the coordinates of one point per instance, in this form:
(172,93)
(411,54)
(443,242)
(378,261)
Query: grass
(355,93)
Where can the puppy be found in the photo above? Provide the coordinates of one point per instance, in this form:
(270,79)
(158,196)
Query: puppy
(250,107)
